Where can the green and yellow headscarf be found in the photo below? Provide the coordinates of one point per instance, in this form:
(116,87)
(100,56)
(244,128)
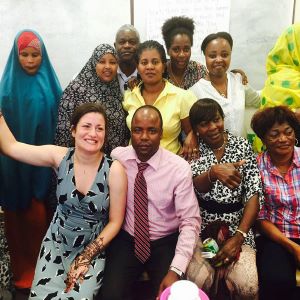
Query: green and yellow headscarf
(282,86)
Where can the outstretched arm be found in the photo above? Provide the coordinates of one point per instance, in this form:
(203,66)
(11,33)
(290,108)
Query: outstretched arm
(47,155)
(117,195)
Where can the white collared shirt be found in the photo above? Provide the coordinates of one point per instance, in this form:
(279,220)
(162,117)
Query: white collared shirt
(123,79)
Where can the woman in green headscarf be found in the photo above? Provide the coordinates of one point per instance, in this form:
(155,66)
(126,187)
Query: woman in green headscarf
(282,86)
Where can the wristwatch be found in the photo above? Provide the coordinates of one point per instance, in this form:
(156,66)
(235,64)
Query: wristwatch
(244,234)
(177,271)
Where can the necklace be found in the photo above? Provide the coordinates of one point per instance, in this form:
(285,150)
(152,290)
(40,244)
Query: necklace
(221,147)
(179,84)
(222,93)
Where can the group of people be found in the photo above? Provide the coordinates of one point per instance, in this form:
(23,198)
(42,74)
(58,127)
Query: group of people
(126,199)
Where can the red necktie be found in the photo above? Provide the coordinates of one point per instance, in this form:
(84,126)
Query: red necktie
(141,222)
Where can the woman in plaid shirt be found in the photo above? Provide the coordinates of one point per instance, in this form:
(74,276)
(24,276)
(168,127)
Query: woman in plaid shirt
(278,222)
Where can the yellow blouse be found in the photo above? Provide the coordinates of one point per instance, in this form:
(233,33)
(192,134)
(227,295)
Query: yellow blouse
(174,105)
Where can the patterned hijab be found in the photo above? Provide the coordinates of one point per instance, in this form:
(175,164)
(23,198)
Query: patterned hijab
(29,104)
(282,86)
(87,87)
(28,39)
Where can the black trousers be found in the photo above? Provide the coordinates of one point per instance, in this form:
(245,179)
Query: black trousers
(276,271)
(122,268)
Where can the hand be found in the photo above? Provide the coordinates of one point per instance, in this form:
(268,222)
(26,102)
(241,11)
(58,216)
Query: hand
(78,269)
(243,74)
(229,251)
(133,82)
(167,281)
(190,147)
(227,173)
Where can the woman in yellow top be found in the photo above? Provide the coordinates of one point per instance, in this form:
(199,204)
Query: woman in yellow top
(174,103)
(282,86)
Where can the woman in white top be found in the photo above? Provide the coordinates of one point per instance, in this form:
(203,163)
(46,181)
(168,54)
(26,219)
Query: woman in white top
(223,86)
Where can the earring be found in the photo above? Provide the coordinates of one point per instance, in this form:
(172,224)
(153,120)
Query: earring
(296,142)
(197,133)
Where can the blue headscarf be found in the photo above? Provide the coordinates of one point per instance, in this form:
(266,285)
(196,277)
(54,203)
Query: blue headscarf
(29,104)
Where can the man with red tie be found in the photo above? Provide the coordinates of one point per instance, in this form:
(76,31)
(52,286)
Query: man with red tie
(162,221)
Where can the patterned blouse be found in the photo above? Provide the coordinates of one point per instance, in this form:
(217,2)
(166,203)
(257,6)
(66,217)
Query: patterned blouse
(237,148)
(87,87)
(193,73)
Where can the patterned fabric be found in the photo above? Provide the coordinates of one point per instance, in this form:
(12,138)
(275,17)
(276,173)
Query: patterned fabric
(5,272)
(78,220)
(87,87)
(282,86)
(28,39)
(282,195)
(141,221)
(192,74)
(29,104)
(237,148)
(241,278)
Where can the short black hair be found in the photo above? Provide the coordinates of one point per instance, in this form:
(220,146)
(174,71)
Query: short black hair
(213,36)
(265,118)
(147,106)
(204,109)
(177,25)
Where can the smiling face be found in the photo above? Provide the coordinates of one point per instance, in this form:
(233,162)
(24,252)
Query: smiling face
(89,133)
(126,45)
(180,51)
(146,133)
(30,60)
(212,132)
(151,67)
(218,56)
(280,139)
(107,67)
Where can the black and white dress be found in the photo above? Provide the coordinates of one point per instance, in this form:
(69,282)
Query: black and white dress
(237,148)
(78,220)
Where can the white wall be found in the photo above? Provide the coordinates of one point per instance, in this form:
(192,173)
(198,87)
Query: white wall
(71,29)
(254,25)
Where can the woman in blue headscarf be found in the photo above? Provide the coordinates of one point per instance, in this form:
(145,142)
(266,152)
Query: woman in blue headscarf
(29,96)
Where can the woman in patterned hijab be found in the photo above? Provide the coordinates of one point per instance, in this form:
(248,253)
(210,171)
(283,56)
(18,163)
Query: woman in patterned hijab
(96,82)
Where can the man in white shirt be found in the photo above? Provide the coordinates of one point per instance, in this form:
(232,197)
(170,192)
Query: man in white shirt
(126,43)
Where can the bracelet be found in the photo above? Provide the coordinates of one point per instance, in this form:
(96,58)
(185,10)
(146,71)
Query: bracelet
(243,233)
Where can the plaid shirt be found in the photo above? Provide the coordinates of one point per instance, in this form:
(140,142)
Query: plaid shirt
(282,195)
